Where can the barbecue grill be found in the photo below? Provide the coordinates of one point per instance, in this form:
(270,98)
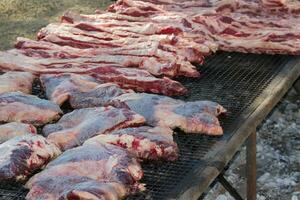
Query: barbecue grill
(249,86)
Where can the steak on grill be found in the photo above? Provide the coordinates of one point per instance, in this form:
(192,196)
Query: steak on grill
(127,78)
(23,155)
(154,143)
(76,127)
(19,107)
(191,117)
(13,129)
(16,81)
(80,90)
(101,163)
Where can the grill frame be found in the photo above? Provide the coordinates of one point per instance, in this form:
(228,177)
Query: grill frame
(264,78)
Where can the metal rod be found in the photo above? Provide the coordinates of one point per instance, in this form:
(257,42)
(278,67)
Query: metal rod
(251,166)
(232,191)
(297,86)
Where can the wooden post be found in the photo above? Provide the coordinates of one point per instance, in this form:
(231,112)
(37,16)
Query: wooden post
(251,166)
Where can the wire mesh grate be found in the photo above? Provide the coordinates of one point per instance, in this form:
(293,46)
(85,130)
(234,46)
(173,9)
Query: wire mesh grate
(234,80)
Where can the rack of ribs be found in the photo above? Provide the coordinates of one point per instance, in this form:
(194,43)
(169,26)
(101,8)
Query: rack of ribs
(146,143)
(19,107)
(13,129)
(125,57)
(74,128)
(81,91)
(23,155)
(127,78)
(191,117)
(109,168)
(16,81)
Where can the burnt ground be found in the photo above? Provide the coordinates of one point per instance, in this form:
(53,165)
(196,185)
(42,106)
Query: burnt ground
(278,139)
(278,156)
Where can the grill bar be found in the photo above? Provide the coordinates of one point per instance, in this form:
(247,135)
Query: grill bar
(234,80)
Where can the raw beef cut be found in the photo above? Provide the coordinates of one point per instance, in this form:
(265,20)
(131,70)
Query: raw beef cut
(16,81)
(127,78)
(76,127)
(244,26)
(76,187)
(82,37)
(162,25)
(148,55)
(154,143)
(96,163)
(191,117)
(139,80)
(184,48)
(80,90)
(13,129)
(23,155)
(19,107)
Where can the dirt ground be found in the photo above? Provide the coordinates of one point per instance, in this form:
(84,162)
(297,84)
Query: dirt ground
(23,18)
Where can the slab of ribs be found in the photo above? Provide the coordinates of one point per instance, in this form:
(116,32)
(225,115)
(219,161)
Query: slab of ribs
(191,117)
(81,91)
(23,155)
(20,107)
(110,170)
(147,143)
(74,128)
(16,81)
(113,69)
(13,129)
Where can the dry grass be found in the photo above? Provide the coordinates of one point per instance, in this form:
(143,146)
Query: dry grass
(25,18)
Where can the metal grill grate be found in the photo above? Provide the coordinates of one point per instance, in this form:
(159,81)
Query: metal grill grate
(232,79)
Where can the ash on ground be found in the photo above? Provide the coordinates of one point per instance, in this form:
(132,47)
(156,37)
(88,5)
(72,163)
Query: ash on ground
(278,157)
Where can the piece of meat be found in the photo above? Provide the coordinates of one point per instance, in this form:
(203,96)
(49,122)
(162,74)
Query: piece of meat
(81,91)
(274,3)
(191,117)
(127,78)
(153,143)
(16,81)
(23,155)
(184,48)
(148,55)
(13,129)
(76,127)
(238,32)
(139,80)
(192,50)
(244,26)
(101,163)
(76,187)
(19,107)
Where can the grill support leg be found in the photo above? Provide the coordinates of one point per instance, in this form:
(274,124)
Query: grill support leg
(251,166)
(297,86)
(232,191)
